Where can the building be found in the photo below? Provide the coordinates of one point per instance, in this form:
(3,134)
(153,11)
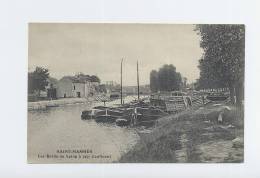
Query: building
(75,86)
(52,88)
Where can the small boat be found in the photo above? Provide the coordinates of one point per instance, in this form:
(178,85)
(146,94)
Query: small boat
(140,116)
(100,107)
(148,116)
(90,114)
(123,122)
(114,95)
(137,112)
(108,115)
(105,118)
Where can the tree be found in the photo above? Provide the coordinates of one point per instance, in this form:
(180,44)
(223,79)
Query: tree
(154,81)
(178,81)
(222,64)
(94,78)
(185,82)
(37,80)
(166,79)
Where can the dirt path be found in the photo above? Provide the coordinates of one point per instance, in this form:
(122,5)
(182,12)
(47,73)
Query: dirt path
(181,155)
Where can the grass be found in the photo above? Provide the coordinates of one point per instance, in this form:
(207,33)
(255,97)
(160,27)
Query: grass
(185,137)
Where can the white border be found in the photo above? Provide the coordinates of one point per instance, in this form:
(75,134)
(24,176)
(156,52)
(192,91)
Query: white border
(14,16)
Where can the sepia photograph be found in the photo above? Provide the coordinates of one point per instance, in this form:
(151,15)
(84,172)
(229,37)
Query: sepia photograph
(135,93)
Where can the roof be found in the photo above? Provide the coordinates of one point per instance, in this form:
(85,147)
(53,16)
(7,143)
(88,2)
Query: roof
(77,79)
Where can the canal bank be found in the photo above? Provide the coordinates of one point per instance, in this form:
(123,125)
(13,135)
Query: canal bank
(95,100)
(42,105)
(194,135)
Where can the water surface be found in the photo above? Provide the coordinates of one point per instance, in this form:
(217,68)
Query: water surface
(62,128)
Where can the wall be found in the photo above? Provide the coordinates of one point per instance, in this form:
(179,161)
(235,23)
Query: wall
(79,87)
(83,88)
(64,86)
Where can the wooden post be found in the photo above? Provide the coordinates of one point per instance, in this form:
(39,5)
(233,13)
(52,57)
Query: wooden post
(138,92)
(121,91)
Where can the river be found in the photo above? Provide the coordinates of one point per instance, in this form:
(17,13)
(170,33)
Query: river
(61,128)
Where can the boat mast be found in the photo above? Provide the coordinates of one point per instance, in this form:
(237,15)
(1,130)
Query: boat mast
(121,90)
(138,92)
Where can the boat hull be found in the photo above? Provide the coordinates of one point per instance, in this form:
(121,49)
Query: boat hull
(108,115)
(122,122)
(105,118)
(86,115)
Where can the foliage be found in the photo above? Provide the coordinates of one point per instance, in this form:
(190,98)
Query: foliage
(185,84)
(222,64)
(94,78)
(166,79)
(37,80)
(154,86)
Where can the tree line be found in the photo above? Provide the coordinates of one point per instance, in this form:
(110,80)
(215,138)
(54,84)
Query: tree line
(38,80)
(165,79)
(222,64)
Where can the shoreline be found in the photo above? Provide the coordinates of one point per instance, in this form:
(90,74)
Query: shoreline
(42,105)
(192,136)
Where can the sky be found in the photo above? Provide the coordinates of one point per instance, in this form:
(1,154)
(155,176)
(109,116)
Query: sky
(97,49)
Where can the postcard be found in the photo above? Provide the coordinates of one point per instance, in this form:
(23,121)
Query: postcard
(135,93)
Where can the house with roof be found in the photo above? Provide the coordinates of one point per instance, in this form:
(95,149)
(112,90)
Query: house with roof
(78,86)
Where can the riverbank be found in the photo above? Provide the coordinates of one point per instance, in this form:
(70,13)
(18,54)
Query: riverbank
(41,105)
(193,136)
